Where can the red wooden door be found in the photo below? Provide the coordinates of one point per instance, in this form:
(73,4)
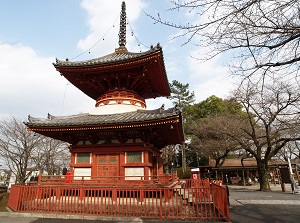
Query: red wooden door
(107,165)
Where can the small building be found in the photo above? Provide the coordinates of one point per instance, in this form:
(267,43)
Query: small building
(236,170)
(239,170)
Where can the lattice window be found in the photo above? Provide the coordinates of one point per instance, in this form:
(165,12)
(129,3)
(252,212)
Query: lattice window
(134,157)
(83,157)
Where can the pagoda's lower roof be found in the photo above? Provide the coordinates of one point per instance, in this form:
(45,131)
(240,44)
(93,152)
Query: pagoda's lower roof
(86,119)
(154,123)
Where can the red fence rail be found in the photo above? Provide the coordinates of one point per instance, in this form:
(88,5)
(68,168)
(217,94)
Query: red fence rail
(163,180)
(218,194)
(201,202)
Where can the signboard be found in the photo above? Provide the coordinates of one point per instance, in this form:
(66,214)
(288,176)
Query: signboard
(134,173)
(285,175)
(80,172)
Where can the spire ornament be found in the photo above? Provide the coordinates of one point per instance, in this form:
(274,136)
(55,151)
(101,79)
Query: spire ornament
(122,32)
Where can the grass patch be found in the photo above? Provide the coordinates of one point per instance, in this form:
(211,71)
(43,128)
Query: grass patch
(3,201)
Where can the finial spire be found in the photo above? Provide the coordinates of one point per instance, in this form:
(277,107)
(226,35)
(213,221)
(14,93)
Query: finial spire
(122,32)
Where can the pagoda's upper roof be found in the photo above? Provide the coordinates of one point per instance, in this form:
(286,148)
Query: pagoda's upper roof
(118,56)
(143,73)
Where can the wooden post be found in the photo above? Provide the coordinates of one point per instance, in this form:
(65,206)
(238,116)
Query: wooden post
(244,182)
(183,158)
(283,187)
(168,194)
(81,194)
(114,195)
(141,195)
(58,193)
(296,172)
(39,179)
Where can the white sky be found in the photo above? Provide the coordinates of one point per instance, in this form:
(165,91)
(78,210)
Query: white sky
(33,33)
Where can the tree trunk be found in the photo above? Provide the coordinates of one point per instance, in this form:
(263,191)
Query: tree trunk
(21,177)
(263,173)
(183,158)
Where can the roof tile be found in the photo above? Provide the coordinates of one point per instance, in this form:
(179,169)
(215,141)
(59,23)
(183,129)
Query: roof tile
(88,119)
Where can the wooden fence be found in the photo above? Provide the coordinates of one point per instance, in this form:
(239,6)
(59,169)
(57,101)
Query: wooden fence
(163,180)
(181,202)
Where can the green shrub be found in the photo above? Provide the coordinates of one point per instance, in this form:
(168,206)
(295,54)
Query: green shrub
(184,175)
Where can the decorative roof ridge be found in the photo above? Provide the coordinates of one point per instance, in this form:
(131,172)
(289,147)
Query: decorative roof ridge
(158,110)
(161,110)
(52,117)
(66,62)
(32,119)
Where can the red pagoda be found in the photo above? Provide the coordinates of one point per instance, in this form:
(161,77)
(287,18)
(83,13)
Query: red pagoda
(116,169)
(119,141)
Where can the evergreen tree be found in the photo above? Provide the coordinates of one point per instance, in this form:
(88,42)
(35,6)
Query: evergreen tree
(183,98)
(205,126)
(180,95)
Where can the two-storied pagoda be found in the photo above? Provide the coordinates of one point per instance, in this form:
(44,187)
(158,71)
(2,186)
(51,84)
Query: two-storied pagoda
(119,137)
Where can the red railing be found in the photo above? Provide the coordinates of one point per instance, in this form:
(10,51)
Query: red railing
(220,199)
(207,203)
(161,180)
(14,197)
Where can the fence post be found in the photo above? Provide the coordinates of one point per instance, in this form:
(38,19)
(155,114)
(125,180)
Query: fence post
(39,179)
(14,197)
(114,194)
(81,194)
(58,193)
(161,204)
(141,195)
(68,177)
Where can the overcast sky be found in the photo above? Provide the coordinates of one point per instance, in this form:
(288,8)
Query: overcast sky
(34,33)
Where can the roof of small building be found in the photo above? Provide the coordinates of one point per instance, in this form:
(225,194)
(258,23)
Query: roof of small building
(238,163)
(235,163)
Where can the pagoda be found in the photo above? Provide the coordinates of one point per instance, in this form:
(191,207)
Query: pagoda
(119,138)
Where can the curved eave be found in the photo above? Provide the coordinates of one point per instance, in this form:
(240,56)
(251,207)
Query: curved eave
(110,59)
(68,128)
(32,127)
(91,77)
(94,67)
(170,130)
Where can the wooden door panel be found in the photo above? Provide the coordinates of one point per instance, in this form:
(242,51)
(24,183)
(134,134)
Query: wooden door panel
(107,165)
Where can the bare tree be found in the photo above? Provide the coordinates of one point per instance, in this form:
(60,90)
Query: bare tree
(17,146)
(263,35)
(24,151)
(169,156)
(211,136)
(272,110)
(291,151)
(53,156)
